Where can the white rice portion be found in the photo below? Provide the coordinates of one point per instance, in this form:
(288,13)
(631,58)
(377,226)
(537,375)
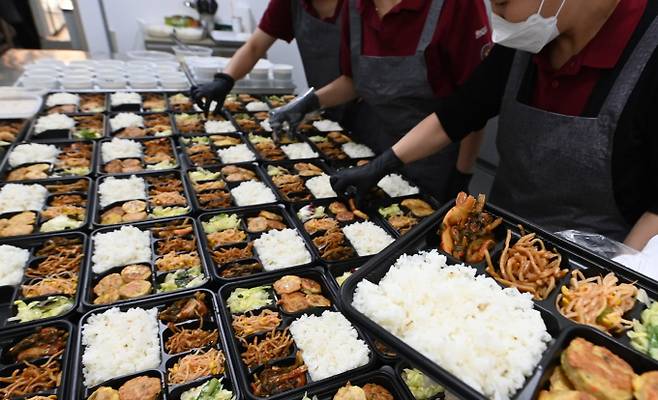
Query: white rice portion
(367,238)
(489,337)
(126,120)
(58,99)
(236,154)
(119,343)
(257,106)
(113,189)
(326,125)
(395,186)
(124,246)
(219,127)
(14,259)
(17,197)
(297,151)
(250,193)
(33,153)
(53,121)
(121,148)
(281,249)
(320,187)
(356,150)
(329,343)
(120,98)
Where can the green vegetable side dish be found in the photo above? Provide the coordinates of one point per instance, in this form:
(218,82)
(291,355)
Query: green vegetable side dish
(211,390)
(196,140)
(60,223)
(256,139)
(76,171)
(221,222)
(161,165)
(341,279)
(644,336)
(203,175)
(422,387)
(390,211)
(242,300)
(317,139)
(86,133)
(40,309)
(182,279)
(310,212)
(275,171)
(164,212)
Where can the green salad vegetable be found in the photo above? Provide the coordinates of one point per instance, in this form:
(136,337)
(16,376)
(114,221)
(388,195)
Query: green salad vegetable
(166,132)
(275,171)
(211,390)
(317,139)
(221,222)
(390,211)
(161,165)
(183,279)
(644,336)
(422,387)
(60,223)
(40,309)
(163,212)
(196,140)
(86,133)
(242,300)
(310,212)
(341,279)
(255,139)
(203,175)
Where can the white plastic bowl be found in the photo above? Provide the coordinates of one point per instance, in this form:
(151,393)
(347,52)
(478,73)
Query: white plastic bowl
(189,33)
(174,82)
(259,74)
(50,62)
(143,82)
(149,55)
(159,30)
(37,82)
(77,82)
(112,82)
(191,51)
(282,72)
(110,63)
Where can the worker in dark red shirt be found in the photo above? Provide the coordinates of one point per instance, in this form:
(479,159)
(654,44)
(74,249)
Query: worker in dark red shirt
(316,26)
(576,88)
(397,56)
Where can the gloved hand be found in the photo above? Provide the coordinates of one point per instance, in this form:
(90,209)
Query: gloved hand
(458,182)
(357,181)
(216,90)
(293,113)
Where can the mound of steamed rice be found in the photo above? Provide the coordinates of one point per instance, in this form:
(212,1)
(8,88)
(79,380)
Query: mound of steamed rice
(489,337)
(236,154)
(13,263)
(120,148)
(119,343)
(120,98)
(126,120)
(53,121)
(33,153)
(58,99)
(320,187)
(298,151)
(329,343)
(17,197)
(257,106)
(367,238)
(124,246)
(281,249)
(252,192)
(219,127)
(112,190)
(395,186)
(356,150)
(326,125)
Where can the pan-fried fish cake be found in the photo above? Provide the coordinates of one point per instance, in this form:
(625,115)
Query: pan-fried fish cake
(645,386)
(597,371)
(564,395)
(559,381)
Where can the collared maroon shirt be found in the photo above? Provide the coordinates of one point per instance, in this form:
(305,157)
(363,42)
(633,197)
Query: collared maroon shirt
(277,19)
(567,90)
(460,41)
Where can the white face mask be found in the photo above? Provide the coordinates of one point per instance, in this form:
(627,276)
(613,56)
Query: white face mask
(530,35)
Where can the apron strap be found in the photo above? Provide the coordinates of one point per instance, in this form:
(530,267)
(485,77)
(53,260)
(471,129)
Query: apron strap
(294,11)
(516,74)
(430,25)
(356,36)
(630,75)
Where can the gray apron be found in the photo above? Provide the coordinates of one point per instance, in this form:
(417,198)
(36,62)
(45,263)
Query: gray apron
(396,97)
(555,170)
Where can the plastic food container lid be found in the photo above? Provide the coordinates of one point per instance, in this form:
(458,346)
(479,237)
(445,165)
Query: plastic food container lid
(78,82)
(19,105)
(149,55)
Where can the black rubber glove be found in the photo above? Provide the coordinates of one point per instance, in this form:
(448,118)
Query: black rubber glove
(293,113)
(458,182)
(357,181)
(216,90)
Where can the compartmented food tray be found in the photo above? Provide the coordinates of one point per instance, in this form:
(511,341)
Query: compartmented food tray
(258,373)
(228,241)
(291,147)
(175,262)
(335,146)
(130,125)
(216,149)
(194,123)
(147,102)
(166,364)
(51,206)
(290,180)
(216,187)
(86,103)
(403,214)
(155,154)
(165,195)
(11,131)
(60,160)
(36,355)
(371,382)
(71,127)
(237,103)
(49,281)
(425,237)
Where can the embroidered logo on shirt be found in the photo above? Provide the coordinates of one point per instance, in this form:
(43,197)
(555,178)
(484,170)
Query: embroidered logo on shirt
(481,32)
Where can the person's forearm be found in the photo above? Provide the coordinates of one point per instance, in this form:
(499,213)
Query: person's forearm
(248,55)
(425,139)
(338,92)
(645,228)
(469,149)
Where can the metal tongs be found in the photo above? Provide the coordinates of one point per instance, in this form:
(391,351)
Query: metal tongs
(280,132)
